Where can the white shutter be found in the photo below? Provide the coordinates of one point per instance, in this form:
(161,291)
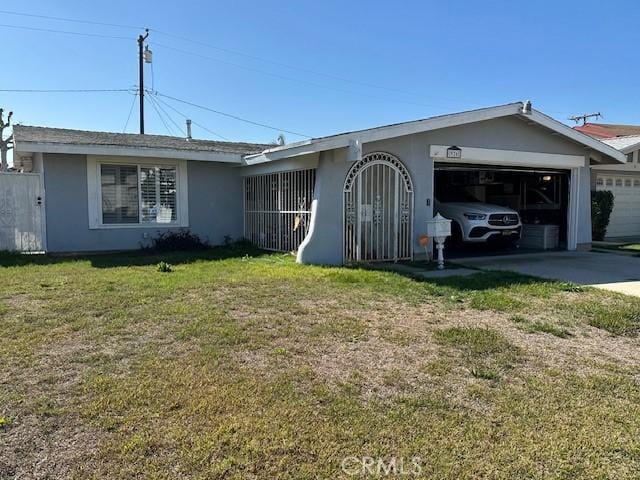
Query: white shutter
(119,193)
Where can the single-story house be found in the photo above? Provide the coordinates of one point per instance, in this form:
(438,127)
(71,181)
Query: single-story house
(359,196)
(623,180)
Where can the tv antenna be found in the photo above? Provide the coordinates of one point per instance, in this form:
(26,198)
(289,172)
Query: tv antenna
(585,117)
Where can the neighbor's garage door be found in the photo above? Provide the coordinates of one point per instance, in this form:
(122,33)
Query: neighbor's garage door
(625,218)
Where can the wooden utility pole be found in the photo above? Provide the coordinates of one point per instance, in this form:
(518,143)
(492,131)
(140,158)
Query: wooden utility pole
(141,40)
(5,144)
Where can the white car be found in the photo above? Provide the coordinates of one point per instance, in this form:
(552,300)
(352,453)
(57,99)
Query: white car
(478,222)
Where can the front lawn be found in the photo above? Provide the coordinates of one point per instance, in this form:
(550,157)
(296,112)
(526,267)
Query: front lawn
(240,364)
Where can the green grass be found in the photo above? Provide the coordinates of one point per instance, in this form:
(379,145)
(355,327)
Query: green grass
(530,326)
(240,364)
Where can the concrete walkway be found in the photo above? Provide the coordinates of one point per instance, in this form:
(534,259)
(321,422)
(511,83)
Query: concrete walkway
(618,273)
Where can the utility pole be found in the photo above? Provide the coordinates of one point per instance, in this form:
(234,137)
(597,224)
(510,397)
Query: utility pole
(585,117)
(141,40)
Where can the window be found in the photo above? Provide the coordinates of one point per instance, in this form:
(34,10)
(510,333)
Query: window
(158,194)
(618,182)
(600,181)
(627,182)
(636,183)
(630,157)
(119,193)
(609,182)
(144,194)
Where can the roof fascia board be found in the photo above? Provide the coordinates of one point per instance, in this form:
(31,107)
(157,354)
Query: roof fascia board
(576,136)
(382,133)
(129,152)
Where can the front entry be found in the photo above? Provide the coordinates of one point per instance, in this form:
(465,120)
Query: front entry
(378,210)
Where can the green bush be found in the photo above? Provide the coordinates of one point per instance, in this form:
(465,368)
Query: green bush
(165,267)
(601,208)
(177,240)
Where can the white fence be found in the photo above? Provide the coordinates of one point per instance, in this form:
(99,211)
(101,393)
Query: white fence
(21,212)
(277,207)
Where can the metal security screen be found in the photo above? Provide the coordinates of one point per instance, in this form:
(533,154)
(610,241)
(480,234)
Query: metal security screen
(378,210)
(277,207)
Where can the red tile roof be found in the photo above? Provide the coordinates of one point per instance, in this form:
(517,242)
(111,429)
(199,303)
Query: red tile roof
(608,130)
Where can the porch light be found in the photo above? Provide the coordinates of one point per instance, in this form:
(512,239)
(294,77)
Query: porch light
(546,178)
(439,229)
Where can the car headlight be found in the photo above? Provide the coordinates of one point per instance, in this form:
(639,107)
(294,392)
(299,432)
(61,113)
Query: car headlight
(475,216)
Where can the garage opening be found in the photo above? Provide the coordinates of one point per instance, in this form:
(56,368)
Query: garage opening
(502,209)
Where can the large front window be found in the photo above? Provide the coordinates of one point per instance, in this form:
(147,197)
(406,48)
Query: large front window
(138,194)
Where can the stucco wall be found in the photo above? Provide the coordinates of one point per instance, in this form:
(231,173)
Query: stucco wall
(215,207)
(324,243)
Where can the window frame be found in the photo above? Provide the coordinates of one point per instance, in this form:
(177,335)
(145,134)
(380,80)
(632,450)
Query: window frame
(94,190)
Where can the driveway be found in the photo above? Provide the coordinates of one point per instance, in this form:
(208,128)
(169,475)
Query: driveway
(618,273)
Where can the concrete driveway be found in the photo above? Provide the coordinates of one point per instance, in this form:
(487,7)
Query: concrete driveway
(618,273)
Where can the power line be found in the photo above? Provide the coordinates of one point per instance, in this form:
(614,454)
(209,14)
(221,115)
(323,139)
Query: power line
(175,124)
(65,90)
(166,126)
(292,79)
(66,19)
(281,64)
(229,115)
(215,47)
(193,121)
(133,104)
(66,32)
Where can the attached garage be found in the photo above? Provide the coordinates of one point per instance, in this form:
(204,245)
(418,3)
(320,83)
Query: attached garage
(535,205)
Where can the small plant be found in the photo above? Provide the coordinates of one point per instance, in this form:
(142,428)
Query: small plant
(177,240)
(165,267)
(484,373)
(571,287)
(4,422)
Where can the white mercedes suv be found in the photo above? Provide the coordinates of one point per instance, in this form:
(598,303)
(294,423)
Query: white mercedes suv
(477,222)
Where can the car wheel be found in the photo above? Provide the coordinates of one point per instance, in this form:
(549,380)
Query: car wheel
(455,240)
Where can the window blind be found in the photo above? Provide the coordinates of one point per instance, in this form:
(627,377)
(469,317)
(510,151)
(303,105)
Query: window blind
(119,185)
(158,194)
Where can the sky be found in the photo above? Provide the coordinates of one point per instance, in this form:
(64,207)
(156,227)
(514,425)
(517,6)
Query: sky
(317,68)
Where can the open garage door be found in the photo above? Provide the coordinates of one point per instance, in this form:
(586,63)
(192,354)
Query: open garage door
(625,217)
(498,209)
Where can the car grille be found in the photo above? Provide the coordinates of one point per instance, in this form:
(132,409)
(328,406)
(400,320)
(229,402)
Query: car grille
(504,219)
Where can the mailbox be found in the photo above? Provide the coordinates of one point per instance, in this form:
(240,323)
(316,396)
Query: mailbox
(439,228)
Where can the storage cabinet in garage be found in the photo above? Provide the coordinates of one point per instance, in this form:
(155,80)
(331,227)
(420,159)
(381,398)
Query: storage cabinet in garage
(546,237)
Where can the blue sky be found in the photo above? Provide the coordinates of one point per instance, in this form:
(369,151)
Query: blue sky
(430,57)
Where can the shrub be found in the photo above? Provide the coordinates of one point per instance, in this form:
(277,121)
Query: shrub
(165,267)
(601,207)
(177,240)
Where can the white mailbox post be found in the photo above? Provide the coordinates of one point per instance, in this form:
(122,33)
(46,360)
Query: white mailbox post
(439,229)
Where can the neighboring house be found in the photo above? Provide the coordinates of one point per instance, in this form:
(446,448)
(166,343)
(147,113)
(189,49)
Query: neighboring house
(624,182)
(608,130)
(358,196)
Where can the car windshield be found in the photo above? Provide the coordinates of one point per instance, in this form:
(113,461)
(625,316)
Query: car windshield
(453,195)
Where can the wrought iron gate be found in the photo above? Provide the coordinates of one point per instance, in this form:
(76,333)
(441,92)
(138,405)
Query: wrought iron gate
(378,210)
(277,208)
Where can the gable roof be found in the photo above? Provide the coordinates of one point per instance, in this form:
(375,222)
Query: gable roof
(61,140)
(608,130)
(433,123)
(625,144)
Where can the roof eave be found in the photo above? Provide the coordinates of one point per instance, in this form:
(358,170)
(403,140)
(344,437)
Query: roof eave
(127,151)
(435,123)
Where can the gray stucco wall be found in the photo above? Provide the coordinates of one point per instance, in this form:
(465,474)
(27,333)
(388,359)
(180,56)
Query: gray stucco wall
(215,207)
(324,244)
